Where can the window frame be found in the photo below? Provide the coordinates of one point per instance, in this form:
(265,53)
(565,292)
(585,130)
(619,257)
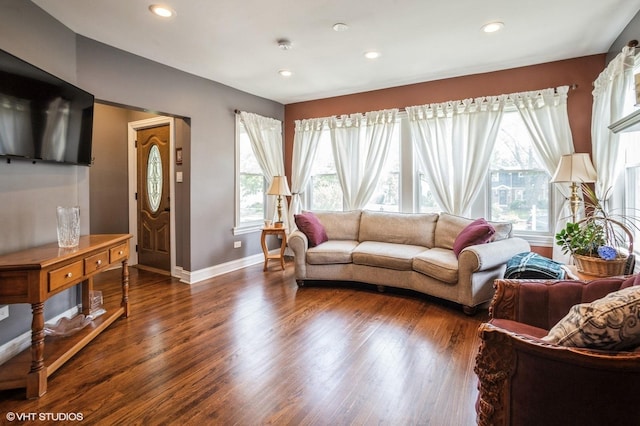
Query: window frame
(249,226)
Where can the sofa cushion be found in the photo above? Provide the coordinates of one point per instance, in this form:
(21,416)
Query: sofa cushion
(438,263)
(477,232)
(340,225)
(310,226)
(386,255)
(611,323)
(449,226)
(400,228)
(331,252)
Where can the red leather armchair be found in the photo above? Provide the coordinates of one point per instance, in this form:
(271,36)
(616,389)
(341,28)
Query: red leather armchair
(523,380)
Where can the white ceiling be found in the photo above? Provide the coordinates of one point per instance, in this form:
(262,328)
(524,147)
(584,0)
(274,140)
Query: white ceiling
(234,42)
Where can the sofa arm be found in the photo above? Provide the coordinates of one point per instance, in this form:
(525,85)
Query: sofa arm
(299,244)
(482,257)
(512,368)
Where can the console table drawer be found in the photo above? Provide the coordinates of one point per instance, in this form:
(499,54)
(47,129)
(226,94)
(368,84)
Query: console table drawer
(95,262)
(119,252)
(65,276)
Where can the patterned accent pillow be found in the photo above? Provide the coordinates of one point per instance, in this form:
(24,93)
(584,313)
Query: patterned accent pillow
(310,225)
(611,323)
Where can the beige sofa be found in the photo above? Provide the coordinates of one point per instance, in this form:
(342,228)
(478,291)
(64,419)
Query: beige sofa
(411,251)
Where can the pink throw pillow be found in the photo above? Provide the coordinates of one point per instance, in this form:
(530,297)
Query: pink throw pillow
(310,226)
(477,232)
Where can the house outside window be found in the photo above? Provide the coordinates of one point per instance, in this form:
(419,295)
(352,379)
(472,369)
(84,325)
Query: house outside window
(250,184)
(518,184)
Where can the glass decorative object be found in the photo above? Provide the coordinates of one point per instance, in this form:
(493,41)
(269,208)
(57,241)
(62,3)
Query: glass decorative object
(68,226)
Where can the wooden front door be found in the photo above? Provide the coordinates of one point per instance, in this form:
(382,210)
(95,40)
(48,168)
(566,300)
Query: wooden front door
(154,245)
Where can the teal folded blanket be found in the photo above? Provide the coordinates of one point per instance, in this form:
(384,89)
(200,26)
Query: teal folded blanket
(531,265)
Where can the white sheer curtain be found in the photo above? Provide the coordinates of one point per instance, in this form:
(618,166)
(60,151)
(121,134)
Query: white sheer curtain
(305,144)
(454,141)
(265,135)
(613,98)
(359,157)
(544,112)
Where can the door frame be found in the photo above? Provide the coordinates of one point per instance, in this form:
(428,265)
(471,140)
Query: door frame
(133,128)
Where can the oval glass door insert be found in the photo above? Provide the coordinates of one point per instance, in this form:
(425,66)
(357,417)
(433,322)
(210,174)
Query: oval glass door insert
(154,178)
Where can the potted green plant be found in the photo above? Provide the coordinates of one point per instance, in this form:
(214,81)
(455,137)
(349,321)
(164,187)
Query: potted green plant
(600,243)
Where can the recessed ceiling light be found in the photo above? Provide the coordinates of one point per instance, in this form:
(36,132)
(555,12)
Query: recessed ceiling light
(162,11)
(492,27)
(340,27)
(372,54)
(285,73)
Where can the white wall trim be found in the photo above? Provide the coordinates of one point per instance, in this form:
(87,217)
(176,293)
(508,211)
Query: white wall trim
(192,277)
(18,344)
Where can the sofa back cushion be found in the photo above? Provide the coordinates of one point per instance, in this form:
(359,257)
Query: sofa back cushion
(416,229)
(449,226)
(340,225)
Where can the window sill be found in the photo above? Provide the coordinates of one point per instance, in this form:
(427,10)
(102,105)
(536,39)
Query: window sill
(247,229)
(538,240)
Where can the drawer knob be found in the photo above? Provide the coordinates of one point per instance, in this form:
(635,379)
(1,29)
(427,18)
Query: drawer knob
(68,275)
(120,252)
(99,262)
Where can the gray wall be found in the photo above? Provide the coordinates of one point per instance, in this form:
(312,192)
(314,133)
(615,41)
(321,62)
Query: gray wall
(30,193)
(109,174)
(119,77)
(631,32)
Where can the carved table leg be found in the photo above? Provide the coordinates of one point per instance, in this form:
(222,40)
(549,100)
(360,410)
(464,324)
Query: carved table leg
(37,377)
(125,287)
(265,250)
(283,247)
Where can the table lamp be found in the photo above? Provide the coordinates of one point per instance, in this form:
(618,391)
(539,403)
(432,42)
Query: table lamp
(279,187)
(575,168)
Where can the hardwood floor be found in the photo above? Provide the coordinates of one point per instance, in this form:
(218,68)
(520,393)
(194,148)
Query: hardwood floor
(252,348)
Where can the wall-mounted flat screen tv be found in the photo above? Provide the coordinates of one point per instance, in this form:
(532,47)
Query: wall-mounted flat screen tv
(42,118)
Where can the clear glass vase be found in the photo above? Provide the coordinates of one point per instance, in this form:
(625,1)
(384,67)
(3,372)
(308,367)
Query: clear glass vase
(68,226)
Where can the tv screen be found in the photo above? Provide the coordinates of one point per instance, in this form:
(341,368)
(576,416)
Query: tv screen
(42,118)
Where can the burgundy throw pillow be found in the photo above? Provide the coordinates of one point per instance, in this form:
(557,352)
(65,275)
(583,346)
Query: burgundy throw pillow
(310,226)
(477,232)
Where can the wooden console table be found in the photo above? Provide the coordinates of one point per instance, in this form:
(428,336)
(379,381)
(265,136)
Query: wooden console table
(33,276)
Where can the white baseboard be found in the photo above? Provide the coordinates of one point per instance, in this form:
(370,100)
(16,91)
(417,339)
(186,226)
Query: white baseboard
(192,277)
(15,346)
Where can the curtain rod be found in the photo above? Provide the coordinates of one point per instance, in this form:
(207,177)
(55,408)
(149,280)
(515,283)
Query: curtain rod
(572,86)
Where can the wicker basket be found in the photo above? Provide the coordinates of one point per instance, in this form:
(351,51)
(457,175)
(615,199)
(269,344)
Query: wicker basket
(599,267)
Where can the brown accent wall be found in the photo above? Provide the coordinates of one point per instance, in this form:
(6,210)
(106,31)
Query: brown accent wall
(578,71)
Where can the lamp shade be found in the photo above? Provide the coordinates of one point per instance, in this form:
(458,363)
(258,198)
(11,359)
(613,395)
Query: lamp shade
(279,186)
(575,168)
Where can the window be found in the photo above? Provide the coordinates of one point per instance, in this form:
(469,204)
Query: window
(517,190)
(518,184)
(426,202)
(324,192)
(387,194)
(631,144)
(250,182)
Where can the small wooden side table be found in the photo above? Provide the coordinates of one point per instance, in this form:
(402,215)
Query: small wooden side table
(263,240)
